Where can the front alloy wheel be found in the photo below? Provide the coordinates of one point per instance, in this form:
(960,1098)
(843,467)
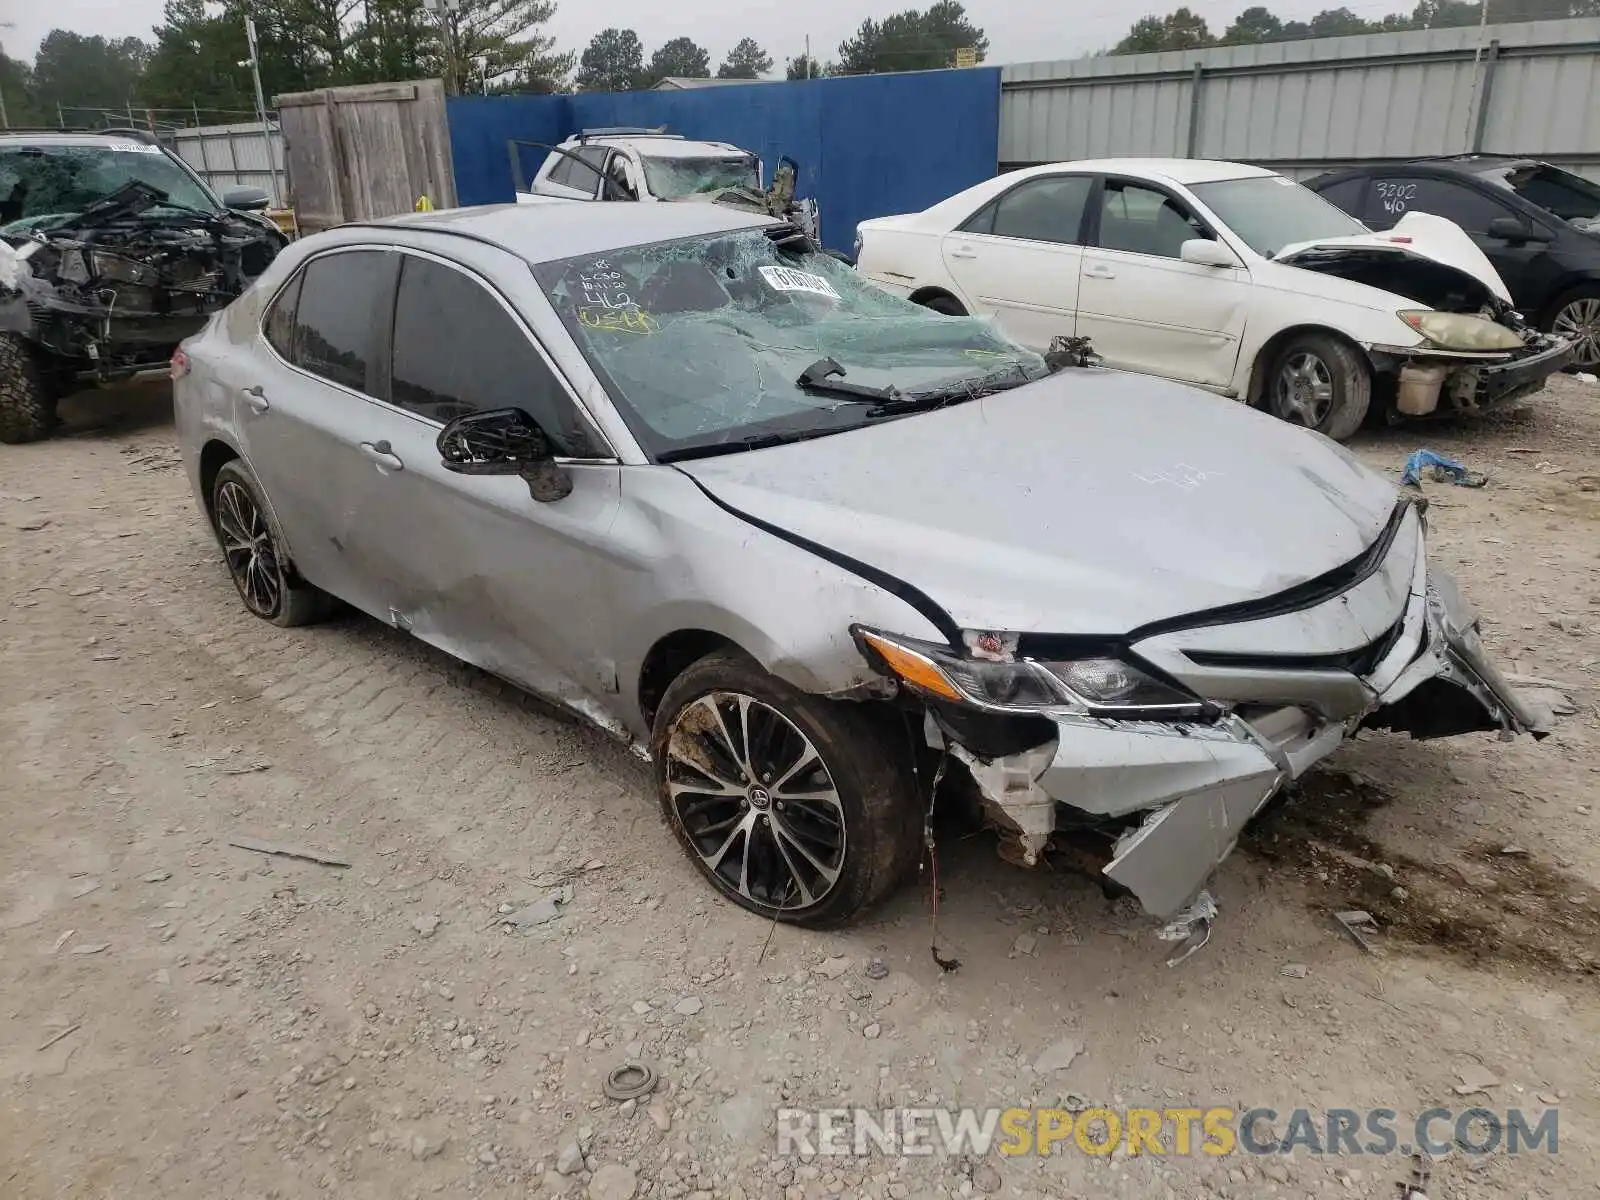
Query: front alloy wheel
(792,805)
(1580,320)
(755,801)
(1303,390)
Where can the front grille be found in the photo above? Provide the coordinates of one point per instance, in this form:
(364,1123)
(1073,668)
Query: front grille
(1362,661)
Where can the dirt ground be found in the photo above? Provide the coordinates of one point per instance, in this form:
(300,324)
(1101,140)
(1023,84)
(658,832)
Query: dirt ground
(186,1018)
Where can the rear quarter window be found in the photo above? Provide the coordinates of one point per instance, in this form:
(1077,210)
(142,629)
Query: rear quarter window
(1348,194)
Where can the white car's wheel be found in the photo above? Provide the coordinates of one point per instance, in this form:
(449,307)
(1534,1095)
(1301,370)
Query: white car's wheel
(1320,382)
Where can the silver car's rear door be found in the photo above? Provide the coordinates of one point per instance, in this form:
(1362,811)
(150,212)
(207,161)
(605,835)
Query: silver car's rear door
(301,399)
(471,563)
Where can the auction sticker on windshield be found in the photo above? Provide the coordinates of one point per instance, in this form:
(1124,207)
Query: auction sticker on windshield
(787,279)
(134,148)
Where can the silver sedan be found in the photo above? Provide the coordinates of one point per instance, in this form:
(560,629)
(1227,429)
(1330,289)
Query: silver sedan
(819,553)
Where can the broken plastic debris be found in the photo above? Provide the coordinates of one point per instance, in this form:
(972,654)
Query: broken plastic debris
(1358,924)
(1475,1078)
(1440,469)
(1294,970)
(547,908)
(1058,1056)
(1192,927)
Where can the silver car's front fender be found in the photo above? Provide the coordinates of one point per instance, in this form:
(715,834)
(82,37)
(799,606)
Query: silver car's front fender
(685,564)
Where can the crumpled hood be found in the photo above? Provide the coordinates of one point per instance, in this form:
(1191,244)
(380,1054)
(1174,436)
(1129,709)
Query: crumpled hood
(1415,235)
(1091,502)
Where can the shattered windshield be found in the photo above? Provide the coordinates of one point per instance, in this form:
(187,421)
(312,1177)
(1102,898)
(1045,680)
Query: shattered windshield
(670,178)
(1270,212)
(702,342)
(40,184)
(1568,196)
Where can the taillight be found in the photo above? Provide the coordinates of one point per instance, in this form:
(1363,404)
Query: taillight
(180,364)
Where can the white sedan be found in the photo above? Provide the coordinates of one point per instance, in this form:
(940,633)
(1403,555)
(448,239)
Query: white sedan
(1226,276)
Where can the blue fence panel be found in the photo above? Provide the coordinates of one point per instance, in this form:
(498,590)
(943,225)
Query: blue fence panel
(867,145)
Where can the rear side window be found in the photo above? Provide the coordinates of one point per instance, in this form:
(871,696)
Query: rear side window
(1044,210)
(1349,195)
(342,298)
(279,325)
(1393,196)
(561,169)
(457,350)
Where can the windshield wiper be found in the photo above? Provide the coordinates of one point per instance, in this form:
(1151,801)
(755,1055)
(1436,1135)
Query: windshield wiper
(1008,377)
(760,441)
(820,379)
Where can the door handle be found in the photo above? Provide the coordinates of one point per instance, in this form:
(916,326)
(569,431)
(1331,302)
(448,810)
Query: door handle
(963,252)
(256,398)
(1099,271)
(382,454)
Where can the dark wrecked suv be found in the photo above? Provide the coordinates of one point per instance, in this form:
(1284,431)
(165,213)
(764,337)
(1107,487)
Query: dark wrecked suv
(112,251)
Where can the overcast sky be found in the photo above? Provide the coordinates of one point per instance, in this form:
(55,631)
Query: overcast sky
(1018,30)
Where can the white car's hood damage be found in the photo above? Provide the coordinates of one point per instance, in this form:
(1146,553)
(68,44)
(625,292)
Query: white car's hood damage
(1416,238)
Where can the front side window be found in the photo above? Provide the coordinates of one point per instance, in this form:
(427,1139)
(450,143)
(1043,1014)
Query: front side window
(671,177)
(702,342)
(1269,212)
(342,300)
(457,350)
(1145,220)
(41,185)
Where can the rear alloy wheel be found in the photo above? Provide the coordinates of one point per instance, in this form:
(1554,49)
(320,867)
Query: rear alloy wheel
(253,551)
(1321,383)
(793,806)
(1579,319)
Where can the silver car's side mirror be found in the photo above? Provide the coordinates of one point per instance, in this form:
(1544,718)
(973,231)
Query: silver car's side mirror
(504,441)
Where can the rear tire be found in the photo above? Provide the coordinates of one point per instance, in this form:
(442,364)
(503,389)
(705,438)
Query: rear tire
(944,305)
(815,847)
(252,547)
(1320,382)
(27,395)
(1577,314)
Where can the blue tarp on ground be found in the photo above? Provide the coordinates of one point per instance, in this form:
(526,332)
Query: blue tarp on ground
(867,145)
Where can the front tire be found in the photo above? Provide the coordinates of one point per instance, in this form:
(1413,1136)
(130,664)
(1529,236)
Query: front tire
(252,547)
(1577,315)
(793,806)
(1320,382)
(945,306)
(27,399)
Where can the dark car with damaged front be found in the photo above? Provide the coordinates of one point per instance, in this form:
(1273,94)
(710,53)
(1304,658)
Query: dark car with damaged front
(112,251)
(829,558)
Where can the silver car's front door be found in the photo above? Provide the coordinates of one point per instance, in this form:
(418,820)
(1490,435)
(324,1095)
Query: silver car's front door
(301,399)
(472,563)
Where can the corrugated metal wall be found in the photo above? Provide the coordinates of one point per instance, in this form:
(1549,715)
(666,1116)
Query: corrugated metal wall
(1302,107)
(867,146)
(228,156)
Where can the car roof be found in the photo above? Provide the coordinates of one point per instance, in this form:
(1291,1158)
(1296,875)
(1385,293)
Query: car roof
(565,229)
(663,146)
(1453,164)
(1171,170)
(45,137)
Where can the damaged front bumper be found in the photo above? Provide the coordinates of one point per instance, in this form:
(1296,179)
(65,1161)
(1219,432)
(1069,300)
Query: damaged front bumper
(1436,382)
(1193,786)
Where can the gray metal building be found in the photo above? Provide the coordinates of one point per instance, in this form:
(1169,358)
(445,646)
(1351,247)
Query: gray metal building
(1302,107)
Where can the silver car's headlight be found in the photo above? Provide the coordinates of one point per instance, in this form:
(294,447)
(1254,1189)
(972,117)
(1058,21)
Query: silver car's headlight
(990,676)
(1460,331)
